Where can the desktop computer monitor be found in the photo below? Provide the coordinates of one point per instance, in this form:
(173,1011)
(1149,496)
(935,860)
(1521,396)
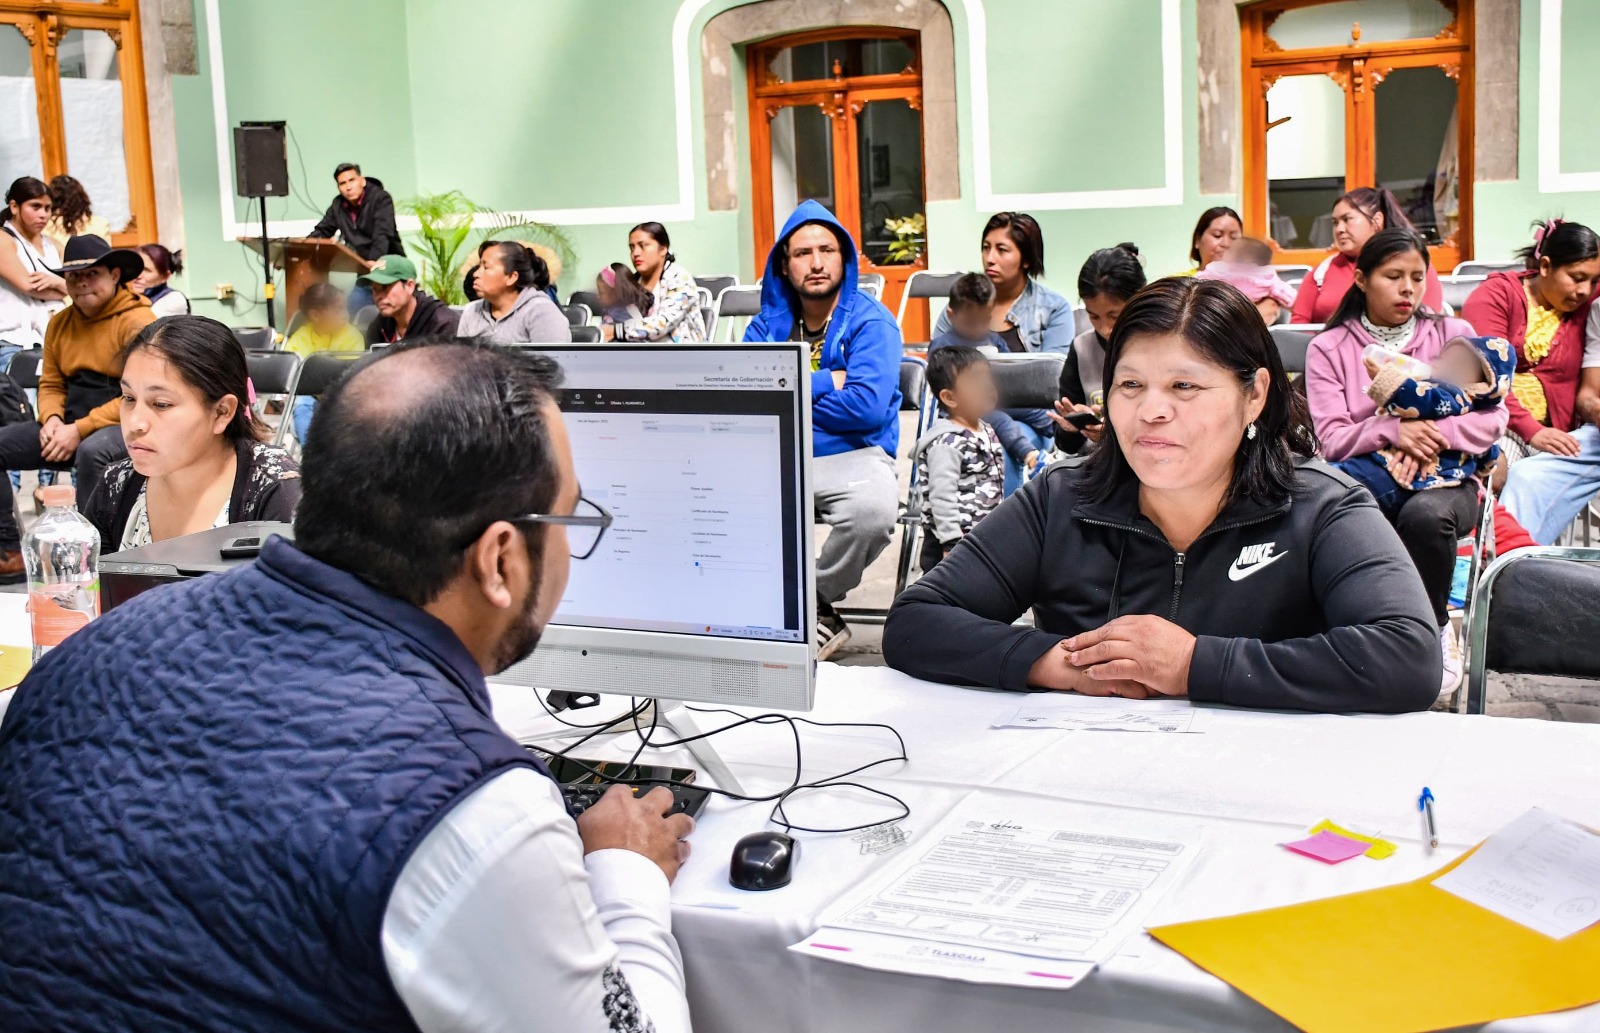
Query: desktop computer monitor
(702,588)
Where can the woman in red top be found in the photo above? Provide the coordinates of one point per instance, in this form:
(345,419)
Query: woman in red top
(1357,215)
(1541,311)
(1555,393)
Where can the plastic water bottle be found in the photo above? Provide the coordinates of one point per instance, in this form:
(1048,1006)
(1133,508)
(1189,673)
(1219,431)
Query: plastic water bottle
(1410,366)
(62,553)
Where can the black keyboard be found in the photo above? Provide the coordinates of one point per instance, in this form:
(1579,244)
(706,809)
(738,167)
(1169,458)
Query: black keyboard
(686,799)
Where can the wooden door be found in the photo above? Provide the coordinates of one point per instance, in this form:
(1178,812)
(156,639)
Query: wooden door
(852,141)
(83,64)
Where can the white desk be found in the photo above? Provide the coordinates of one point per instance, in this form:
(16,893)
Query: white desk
(1252,780)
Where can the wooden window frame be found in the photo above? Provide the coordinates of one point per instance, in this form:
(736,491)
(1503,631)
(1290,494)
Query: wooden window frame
(44,24)
(1358,68)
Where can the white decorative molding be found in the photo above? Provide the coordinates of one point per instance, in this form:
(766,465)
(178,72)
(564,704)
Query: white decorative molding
(1551,179)
(984,196)
(1169,193)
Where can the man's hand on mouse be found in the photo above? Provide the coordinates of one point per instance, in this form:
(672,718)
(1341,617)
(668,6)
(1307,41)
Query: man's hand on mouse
(621,821)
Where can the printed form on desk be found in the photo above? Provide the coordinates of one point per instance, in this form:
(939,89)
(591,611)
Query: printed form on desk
(1541,871)
(1008,892)
(1106,714)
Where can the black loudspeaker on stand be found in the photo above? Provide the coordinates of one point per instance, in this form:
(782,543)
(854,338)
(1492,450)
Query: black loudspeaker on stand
(261,170)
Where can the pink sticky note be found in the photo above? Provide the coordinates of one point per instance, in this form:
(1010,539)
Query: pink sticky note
(1329,847)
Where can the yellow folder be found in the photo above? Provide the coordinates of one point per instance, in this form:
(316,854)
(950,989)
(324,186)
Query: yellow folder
(1404,958)
(14,664)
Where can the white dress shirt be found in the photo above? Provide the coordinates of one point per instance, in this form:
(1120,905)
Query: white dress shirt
(499,922)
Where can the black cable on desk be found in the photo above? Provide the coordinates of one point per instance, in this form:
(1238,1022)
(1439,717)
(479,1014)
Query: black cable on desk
(778,816)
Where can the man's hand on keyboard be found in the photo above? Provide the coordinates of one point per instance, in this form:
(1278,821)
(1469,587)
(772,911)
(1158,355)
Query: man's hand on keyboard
(622,821)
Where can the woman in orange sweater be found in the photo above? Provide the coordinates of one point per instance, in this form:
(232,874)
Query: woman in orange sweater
(80,397)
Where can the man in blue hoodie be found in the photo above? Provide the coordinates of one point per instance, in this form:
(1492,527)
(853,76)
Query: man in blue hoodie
(810,294)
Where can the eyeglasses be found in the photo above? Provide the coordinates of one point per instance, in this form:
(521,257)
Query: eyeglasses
(585,527)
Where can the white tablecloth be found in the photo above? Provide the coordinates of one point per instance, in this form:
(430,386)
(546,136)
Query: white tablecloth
(1252,780)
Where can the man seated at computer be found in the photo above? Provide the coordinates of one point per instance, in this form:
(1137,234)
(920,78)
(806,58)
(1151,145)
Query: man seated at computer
(276,799)
(809,294)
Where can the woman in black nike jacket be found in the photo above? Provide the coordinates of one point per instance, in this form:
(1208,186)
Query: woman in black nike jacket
(1200,552)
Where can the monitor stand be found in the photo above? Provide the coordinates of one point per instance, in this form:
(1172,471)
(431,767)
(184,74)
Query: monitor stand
(680,719)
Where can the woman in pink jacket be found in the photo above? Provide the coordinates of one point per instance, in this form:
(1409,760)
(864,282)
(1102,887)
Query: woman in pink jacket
(1383,306)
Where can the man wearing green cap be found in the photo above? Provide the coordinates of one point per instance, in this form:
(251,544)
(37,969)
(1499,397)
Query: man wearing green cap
(404,310)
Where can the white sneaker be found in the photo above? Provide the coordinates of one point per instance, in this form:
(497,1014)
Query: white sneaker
(1454,661)
(832,632)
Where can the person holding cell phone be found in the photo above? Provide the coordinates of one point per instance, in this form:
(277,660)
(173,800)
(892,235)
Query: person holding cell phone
(1106,282)
(195,455)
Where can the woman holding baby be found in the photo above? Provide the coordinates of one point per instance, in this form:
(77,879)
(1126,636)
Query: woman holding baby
(1423,466)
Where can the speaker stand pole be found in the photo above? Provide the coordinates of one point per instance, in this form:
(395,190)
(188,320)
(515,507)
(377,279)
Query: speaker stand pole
(268,289)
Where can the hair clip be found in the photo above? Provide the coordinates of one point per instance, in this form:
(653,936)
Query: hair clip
(1541,233)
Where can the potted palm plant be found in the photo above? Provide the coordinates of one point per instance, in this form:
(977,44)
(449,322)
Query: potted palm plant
(452,226)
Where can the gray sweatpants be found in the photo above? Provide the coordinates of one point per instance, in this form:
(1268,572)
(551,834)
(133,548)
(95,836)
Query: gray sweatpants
(858,497)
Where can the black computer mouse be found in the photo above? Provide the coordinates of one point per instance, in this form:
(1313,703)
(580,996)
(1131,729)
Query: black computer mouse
(763,861)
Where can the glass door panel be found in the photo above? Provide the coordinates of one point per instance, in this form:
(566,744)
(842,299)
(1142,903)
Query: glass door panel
(802,161)
(1416,149)
(20,152)
(810,61)
(1380,21)
(889,182)
(1306,163)
(91,109)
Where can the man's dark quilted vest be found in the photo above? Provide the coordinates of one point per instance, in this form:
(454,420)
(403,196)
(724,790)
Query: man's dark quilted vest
(206,797)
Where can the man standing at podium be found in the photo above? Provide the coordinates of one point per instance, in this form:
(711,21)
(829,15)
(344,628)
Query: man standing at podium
(363,216)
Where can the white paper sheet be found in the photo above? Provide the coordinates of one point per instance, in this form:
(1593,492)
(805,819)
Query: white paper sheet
(941,960)
(996,881)
(1540,871)
(1107,714)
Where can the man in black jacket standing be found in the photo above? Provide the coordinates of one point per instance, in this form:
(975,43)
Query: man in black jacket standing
(363,216)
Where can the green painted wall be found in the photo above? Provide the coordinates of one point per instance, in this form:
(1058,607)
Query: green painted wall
(1505,210)
(1580,42)
(570,105)
(558,105)
(1089,123)
(289,60)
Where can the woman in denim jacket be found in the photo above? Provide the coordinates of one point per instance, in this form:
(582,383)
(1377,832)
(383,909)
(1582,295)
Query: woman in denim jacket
(1028,315)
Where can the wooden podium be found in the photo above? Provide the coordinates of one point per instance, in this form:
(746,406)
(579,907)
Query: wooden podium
(305,260)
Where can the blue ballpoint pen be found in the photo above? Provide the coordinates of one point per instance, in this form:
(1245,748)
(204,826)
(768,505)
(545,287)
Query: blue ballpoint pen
(1425,805)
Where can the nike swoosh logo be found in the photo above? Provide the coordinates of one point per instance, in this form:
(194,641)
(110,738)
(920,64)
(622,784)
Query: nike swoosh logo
(1235,573)
(856,484)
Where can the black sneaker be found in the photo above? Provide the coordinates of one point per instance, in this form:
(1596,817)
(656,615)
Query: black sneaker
(832,631)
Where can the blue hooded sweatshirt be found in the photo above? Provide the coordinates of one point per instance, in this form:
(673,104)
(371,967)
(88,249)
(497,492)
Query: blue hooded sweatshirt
(863,340)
